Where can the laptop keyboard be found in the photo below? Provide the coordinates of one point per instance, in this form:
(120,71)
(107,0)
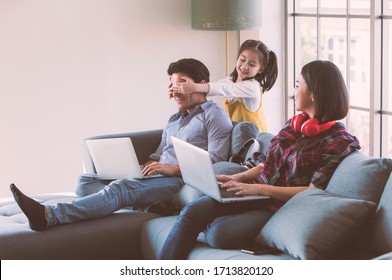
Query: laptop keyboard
(226,194)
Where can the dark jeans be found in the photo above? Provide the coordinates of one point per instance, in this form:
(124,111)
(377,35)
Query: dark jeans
(232,225)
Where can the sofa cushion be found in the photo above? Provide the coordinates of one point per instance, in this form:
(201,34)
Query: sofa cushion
(242,131)
(381,237)
(155,232)
(264,139)
(314,224)
(116,236)
(361,177)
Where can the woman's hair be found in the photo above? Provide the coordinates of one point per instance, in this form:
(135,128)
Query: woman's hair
(267,59)
(195,69)
(331,98)
(326,82)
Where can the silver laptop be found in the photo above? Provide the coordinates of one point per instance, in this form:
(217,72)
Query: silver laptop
(197,172)
(115,158)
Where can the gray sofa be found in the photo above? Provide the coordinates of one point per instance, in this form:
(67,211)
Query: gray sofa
(352,219)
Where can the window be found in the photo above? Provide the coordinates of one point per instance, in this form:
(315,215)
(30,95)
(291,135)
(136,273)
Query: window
(354,34)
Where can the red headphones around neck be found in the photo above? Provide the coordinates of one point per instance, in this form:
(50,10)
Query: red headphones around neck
(309,127)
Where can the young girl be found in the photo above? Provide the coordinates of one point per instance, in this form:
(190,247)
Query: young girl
(304,154)
(255,72)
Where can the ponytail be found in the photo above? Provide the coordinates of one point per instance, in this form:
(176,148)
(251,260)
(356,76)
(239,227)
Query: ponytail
(269,60)
(270,73)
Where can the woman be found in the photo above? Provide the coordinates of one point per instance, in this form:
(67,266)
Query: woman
(304,154)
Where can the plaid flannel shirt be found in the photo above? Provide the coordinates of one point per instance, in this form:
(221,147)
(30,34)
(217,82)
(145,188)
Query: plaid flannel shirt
(284,166)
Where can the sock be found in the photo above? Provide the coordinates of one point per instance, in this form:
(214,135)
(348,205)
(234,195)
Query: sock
(34,211)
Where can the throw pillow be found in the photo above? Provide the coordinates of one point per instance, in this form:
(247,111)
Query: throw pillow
(264,139)
(361,177)
(242,131)
(314,224)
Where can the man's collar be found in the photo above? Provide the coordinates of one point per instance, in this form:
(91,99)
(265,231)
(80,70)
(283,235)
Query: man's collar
(201,107)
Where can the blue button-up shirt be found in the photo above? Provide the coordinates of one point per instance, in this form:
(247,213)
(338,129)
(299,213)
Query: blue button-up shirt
(207,127)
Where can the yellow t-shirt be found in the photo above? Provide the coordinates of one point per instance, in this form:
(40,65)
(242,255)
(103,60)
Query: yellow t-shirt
(239,113)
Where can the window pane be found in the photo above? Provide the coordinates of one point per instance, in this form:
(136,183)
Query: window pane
(387,136)
(387,66)
(333,42)
(333,7)
(360,7)
(388,7)
(359,80)
(306,6)
(306,40)
(358,125)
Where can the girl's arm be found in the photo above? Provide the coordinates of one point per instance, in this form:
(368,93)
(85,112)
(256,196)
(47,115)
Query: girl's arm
(226,87)
(249,89)
(189,86)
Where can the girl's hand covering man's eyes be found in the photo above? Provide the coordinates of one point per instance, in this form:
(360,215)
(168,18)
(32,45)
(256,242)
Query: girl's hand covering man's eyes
(185,87)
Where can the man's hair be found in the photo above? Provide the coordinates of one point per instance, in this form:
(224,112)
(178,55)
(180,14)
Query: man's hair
(193,68)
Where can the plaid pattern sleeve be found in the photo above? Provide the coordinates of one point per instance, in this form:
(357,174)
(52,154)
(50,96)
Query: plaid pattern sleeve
(336,146)
(285,166)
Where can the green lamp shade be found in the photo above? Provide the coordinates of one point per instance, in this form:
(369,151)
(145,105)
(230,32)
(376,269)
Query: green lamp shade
(226,14)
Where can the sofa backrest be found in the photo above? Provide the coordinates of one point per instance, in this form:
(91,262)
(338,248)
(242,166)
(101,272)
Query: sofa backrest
(382,231)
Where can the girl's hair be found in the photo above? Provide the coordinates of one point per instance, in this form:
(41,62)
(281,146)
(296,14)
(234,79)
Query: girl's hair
(194,68)
(326,82)
(267,59)
(331,98)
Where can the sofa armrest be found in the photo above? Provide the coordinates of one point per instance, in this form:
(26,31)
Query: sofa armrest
(387,256)
(144,142)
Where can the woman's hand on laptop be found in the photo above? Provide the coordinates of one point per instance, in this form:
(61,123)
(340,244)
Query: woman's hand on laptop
(154,168)
(224,178)
(240,188)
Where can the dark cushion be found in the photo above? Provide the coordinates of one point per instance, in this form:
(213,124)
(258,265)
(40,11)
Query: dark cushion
(314,224)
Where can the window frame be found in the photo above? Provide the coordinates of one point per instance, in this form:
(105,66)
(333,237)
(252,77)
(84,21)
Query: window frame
(378,115)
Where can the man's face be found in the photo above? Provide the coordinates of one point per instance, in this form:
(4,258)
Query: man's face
(184,101)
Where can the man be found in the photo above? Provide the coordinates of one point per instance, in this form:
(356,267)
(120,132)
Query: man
(199,122)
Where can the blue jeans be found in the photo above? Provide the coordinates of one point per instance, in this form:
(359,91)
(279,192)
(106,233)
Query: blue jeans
(232,225)
(89,184)
(118,194)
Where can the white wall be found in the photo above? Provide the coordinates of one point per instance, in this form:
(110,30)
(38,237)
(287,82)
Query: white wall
(70,69)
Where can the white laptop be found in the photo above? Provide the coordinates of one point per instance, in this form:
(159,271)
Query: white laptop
(115,158)
(197,172)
